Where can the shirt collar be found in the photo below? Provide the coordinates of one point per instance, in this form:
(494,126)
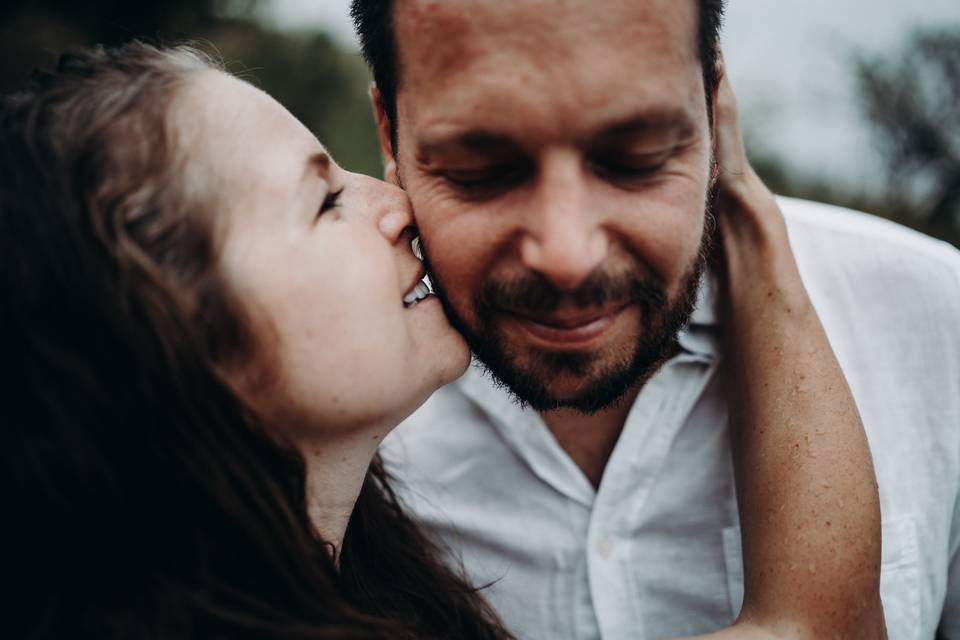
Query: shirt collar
(699,337)
(524,431)
(705,311)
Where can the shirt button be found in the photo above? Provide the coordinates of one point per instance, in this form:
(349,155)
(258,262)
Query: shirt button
(604,546)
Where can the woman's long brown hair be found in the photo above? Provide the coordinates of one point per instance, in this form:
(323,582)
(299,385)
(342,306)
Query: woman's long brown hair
(143,499)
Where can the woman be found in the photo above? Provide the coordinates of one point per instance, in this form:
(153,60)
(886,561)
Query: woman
(208,327)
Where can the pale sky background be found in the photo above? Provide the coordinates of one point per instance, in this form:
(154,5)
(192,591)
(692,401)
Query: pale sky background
(789,62)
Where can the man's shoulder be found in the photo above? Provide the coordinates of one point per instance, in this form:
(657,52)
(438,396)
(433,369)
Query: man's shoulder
(836,246)
(449,423)
(889,300)
(863,233)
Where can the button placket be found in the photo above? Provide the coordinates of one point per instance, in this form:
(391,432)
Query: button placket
(658,415)
(604,546)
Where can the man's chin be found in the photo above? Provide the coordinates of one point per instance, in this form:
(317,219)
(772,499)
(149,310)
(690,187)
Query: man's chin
(567,388)
(588,380)
(575,393)
(582,382)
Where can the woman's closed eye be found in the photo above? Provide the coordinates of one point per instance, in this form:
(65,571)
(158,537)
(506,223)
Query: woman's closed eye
(331,201)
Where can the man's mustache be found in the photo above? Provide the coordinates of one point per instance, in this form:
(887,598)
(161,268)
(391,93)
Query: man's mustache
(533,294)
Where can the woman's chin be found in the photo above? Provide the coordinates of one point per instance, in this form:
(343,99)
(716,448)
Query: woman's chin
(459,359)
(443,347)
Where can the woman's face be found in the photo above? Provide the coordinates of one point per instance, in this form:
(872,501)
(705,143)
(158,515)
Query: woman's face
(320,258)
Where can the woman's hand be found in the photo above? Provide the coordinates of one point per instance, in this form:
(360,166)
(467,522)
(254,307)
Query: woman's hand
(749,223)
(808,501)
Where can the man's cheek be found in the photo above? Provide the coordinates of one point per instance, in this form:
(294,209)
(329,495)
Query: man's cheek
(451,275)
(460,289)
(432,195)
(666,231)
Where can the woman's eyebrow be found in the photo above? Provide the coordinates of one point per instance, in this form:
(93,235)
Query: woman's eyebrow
(317,163)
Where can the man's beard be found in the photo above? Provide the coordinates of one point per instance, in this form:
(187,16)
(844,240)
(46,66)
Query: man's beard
(532,295)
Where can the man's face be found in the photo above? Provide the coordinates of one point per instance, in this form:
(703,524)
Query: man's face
(558,158)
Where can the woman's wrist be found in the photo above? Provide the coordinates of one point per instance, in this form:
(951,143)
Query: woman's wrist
(751,224)
(758,265)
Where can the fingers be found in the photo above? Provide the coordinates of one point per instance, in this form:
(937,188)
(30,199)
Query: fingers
(726,101)
(731,157)
(747,213)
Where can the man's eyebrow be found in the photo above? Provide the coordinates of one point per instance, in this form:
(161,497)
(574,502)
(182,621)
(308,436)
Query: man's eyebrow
(658,120)
(484,141)
(474,141)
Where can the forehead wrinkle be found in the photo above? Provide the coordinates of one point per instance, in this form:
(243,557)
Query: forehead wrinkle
(575,53)
(420,19)
(458,31)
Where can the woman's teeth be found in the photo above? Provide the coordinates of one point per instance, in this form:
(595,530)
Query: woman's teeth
(418,293)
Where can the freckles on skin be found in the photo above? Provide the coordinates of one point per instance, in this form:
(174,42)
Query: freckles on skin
(571,51)
(295,341)
(435,17)
(480,28)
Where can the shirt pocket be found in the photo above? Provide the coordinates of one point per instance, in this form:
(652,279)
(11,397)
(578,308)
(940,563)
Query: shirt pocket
(899,576)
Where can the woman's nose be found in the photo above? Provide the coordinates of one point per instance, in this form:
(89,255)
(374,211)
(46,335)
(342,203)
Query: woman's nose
(395,214)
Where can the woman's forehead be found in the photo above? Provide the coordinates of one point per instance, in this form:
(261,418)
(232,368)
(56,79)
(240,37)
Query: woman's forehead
(230,113)
(252,144)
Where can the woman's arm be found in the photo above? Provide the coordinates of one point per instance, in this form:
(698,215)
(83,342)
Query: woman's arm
(808,502)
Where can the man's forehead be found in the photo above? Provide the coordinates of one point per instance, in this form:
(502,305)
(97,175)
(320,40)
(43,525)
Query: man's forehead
(547,24)
(427,10)
(597,60)
(459,41)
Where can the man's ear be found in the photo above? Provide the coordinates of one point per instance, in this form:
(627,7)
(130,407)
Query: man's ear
(383,135)
(719,72)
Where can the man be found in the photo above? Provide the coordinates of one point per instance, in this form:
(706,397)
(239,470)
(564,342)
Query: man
(558,156)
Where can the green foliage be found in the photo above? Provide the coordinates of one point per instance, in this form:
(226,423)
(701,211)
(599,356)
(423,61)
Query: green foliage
(913,102)
(320,83)
(911,99)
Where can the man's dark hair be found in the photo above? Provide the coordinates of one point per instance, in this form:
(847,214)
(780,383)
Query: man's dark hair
(373,20)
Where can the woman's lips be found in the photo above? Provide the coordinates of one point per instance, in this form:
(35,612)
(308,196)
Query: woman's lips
(568,332)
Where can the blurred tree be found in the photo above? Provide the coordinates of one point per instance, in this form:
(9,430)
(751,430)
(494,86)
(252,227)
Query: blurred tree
(913,102)
(319,82)
(307,72)
(33,33)
(111,21)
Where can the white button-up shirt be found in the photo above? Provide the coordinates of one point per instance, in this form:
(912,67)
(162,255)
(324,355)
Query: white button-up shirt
(655,551)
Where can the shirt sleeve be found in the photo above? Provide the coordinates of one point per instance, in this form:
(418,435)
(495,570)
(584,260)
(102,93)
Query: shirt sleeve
(949,628)
(950,616)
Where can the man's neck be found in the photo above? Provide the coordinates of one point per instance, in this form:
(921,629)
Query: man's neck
(589,440)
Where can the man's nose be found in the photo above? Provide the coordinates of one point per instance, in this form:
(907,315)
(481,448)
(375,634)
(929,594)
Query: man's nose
(564,240)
